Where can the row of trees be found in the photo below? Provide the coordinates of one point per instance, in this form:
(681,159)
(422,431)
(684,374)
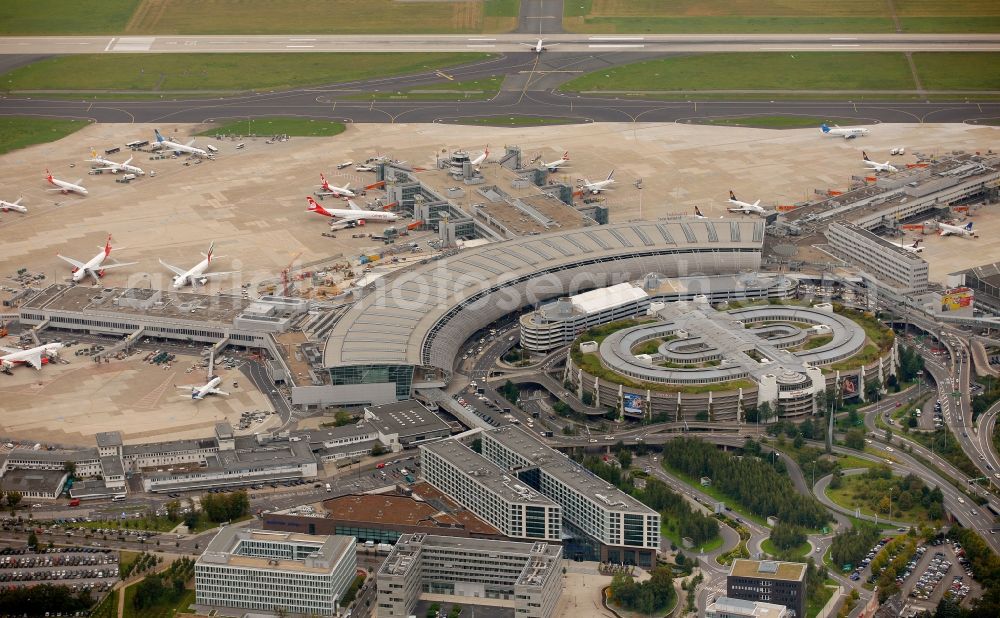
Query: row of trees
(750,481)
(852,545)
(910,363)
(225,507)
(166,587)
(786,536)
(650,596)
(907,492)
(986,565)
(43,600)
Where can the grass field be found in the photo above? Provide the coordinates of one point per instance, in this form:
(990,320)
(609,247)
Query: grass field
(471,90)
(668,528)
(777,122)
(754,71)
(61,17)
(151,73)
(295,127)
(958,71)
(108,607)
(516,121)
(47,17)
(760,16)
(800,551)
(849,495)
(23,131)
(162,610)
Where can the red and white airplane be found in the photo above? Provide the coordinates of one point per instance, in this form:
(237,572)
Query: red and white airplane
(328,189)
(481,157)
(196,275)
(36,357)
(553,166)
(95,267)
(65,187)
(7,206)
(351,217)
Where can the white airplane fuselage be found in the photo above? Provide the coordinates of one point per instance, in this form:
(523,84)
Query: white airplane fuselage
(351,215)
(745,208)
(194,274)
(36,356)
(5,206)
(848,133)
(66,187)
(174,146)
(91,266)
(200,392)
(119,167)
(956,230)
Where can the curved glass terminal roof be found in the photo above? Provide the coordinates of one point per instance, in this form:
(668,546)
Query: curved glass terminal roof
(422,315)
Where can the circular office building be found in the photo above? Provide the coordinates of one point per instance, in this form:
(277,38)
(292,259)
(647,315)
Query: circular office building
(694,362)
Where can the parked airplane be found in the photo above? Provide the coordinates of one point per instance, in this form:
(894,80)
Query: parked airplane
(878,167)
(65,187)
(600,185)
(351,217)
(200,392)
(848,133)
(744,207)
(553,166)
(197,274)
(328,189)
(912,248)
(481,157)
(95,267)
(6,206)
(115,167)
(180,148)
(956,230)
(36,357)
(697,213)
(539,46)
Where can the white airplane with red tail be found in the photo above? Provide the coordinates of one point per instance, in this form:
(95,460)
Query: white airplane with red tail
(351,217)
(65,187)
(36,357)
(96,266)
(328,189)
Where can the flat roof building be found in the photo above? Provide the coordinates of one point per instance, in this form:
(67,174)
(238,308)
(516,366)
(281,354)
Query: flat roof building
(523,576)
(405,423)
(496,496)
(901,271)
(620,528)
(259,570)
(44,484)
(725,607)
(769,581)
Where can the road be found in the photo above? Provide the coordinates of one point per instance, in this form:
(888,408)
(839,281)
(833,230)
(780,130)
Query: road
(544,23)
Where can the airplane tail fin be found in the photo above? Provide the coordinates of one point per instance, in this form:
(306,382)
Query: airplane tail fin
(824,127)
(916,243)
(864,155)
(211,248)
(732,195)
(326,185)
(312,203)
(611,175)
(159,137)
(93,153)
(565,156)
(107,247)
(969,226)
(48,175)
(697,212)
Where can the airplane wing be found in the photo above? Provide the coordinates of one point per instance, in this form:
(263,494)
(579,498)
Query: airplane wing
(116,265)
(9,350)
(185,387)
(102,168)
(78,181)
(353,205)
(213,275)
(216,391)
(77,265)
(177,271)
(35,360)
(189,144)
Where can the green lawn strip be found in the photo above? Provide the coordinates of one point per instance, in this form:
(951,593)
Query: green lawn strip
(754,71)
(944,23)
(786,95)
(816,603)
(471,90)
(22,131)
(958,70)
(516,121)
(800,551)
(844,497)
(54,17)
(108,607)
(714,492)
(730,25)
(167,609)
(126,558)
(157,524)
(225,72)
(296,127)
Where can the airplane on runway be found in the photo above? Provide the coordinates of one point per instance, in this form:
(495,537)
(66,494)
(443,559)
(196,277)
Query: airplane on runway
(65,187)
(553,166)
(744,207)
(697,213)
(945,229)
(115,167)
(600,185)
(7,206)
(539,46)
(179,148)
(36,357)
(334,190)
(878,167)
(848,133)
(209,388)
(95,267)
(913,248)
(196,275)
(351,217)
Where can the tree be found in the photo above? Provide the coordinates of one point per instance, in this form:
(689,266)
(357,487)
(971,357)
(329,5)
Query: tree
(588,398)
(377,450)
(70,468)
(191,520)
(786,536)
(13,499)
(173,510)
(799,441)
(855,439)
(341,418)
(888,435)
(477,445)
(32,540)
(872,390)
(765,412)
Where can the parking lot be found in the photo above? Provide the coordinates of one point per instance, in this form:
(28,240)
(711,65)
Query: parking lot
(940,570)
(78,568)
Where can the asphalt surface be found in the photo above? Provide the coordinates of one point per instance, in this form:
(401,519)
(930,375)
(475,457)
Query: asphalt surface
(528,90)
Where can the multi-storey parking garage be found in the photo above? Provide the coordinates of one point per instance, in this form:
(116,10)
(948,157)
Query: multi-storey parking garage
(407,329)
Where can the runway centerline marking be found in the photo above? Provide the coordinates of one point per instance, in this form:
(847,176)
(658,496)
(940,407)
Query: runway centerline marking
(616,38)
(845,45)
(110,43)
(615,45)
(479,45)
(301,39)
(299,46)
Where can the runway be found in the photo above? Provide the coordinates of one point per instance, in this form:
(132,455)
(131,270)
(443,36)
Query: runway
(507,43)
(528,90)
